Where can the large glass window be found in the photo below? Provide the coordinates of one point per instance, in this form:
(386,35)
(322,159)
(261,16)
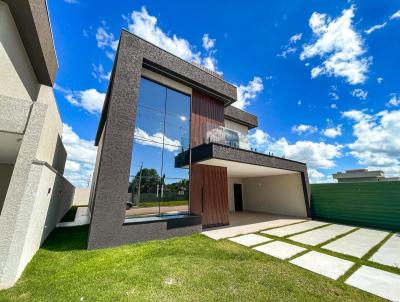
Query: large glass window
(156,186)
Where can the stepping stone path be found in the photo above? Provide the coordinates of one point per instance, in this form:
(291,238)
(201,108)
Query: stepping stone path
(227,232)
(377,282)
(357,244)
(280,250)
(321,235)
(326,265)
(250,239)
(293,229)
(389,253)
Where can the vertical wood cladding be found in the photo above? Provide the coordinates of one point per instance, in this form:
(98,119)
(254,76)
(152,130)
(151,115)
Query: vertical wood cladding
(209,194)
(207,114)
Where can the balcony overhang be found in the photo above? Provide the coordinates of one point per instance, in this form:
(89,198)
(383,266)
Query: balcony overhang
(221,155)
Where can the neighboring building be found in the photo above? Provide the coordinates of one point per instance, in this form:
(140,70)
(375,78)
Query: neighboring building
(362,175)
(173,155)
(34,195)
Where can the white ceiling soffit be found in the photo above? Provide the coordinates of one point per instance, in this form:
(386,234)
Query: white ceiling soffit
(242,170)
(9,147)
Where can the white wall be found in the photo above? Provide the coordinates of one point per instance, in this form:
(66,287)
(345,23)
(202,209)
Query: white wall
(280,194)
(5,177)
(81,197)
(37,216)
(52,127)
(231,195)
(18,79)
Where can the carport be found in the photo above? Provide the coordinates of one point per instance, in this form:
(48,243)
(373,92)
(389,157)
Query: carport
(227,179)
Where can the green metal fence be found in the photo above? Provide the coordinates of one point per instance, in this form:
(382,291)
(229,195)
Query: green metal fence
(371,204)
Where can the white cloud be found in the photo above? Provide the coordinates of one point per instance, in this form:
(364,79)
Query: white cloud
(259,139)
(375,27)
(81,157)
(334,96)
(91,100)
(316,176)
(396,15)
(339,46)
(299,102)
(301,129)
(333,131)
(356,115)
(359,93)
(394,101)
(72,1)
(295,38)
(99,73)
(106,40)
(333,106)
(248,92)
(145,26)
(317,155)
(208,43)
(157,140)
(379,80)
(289,48)
(377,143)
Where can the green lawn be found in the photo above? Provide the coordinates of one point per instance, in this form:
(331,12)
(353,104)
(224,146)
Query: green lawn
(171,203)
(193,268)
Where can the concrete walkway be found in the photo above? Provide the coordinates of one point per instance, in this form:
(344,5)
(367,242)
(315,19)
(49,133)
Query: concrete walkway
(248,222)
(82,217)
(389,253)
(321,235)
(358,243)
(293,229)
(379,282)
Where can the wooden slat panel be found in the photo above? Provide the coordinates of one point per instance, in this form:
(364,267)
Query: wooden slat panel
(207,113)
(213,181)
(373,204)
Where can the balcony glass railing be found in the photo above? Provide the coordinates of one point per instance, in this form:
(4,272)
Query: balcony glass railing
(236,139)
(228,137)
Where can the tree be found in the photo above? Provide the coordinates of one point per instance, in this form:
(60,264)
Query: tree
(149,181)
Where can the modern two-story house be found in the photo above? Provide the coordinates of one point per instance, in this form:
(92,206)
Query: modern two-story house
(173,154)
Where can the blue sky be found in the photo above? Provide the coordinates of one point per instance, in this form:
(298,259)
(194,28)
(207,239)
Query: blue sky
(322,76)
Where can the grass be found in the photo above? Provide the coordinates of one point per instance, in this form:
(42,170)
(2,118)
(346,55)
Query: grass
(357,261)
(148,204)
(70,215)
(192,268)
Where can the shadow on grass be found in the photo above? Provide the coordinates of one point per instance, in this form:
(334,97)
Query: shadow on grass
(67,239)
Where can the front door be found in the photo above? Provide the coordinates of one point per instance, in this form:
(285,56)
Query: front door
(237,191)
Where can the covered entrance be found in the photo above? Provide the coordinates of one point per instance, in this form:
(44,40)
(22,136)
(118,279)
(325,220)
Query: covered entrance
(228,180)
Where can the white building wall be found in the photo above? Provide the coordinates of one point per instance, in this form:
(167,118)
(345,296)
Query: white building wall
(18,80)
(280,194)
(231,195)
(52,126)
(81,197)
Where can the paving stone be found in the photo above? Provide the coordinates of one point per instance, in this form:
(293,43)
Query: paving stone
(279,249)
(293,229)
(377,282)
(326,265)
(389,253)
(231,231)
(321,235)
(250,239)
(358,243)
